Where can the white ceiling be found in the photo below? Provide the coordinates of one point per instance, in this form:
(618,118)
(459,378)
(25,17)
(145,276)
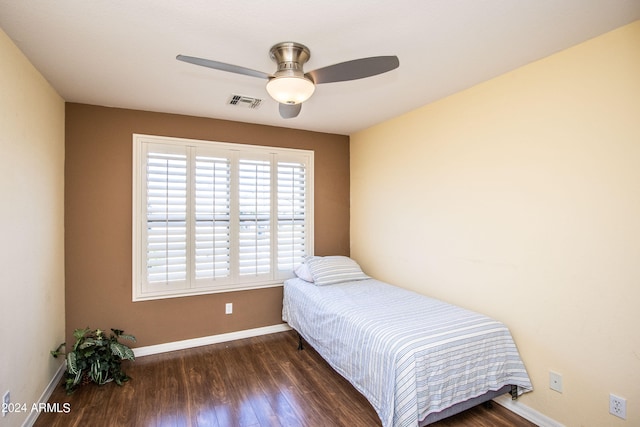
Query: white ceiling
(121,53)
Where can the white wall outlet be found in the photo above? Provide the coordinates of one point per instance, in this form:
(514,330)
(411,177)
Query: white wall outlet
(6,400)
(228,308)
(555,381)
(618,406)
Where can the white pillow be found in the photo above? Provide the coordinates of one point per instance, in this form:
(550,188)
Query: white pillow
(302,271)
(330,270)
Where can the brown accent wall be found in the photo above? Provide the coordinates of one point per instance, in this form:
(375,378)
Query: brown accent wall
(98,193)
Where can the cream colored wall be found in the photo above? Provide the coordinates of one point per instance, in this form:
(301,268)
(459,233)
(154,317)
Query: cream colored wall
(31,229)
(520,198)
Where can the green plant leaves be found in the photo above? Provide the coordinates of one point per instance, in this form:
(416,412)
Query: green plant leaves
(122,351)
(119,333)
(127,337)
(88,342)
(57,352)
(72,366)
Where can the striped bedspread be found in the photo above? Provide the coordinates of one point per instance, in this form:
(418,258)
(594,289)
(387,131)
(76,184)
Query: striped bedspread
(408,354)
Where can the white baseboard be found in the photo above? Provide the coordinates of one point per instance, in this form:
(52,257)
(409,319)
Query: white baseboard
(526,412)
(46,394)
(212,339)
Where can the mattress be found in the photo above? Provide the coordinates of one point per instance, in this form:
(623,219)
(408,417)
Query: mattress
(408,354)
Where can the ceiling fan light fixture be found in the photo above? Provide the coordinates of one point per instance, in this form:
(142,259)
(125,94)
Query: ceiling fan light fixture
(290,89)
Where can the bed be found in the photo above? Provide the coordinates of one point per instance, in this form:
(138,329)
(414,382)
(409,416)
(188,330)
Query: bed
(416,359)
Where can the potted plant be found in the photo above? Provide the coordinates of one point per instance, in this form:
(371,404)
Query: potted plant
(95,358)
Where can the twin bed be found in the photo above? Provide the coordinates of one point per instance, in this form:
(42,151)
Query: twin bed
(416,359)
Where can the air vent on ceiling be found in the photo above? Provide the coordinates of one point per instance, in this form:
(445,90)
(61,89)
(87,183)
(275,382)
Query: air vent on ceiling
(245,101)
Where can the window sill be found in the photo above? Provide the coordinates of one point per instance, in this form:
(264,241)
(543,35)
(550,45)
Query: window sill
(150,296)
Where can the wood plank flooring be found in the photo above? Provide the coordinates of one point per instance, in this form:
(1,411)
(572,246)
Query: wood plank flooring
(261,381)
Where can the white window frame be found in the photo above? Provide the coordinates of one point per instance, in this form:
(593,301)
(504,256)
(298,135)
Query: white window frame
(142,290)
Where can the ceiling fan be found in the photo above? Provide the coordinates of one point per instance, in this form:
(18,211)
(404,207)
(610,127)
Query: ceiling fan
(290,85)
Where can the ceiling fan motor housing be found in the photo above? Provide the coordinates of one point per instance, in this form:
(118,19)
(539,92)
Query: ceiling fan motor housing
(290,57)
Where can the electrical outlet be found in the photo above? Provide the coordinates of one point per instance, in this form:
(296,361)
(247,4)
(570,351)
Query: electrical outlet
(6,401)
(555,381)
(618,406)
(228,308)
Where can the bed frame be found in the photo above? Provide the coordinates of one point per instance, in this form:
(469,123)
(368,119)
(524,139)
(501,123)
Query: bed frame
(468,404)
(458,407)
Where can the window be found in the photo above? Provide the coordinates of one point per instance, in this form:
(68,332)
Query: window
(213,217)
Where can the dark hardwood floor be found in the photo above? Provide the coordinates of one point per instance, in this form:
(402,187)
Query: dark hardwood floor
(260,381)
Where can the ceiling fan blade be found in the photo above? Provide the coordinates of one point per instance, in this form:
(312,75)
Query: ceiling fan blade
(289,111)
(222,66)
(355,69)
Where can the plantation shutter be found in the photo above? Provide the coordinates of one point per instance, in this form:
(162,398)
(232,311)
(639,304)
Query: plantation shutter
(166,216)
(292,227)
(212,260)
(254,205)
